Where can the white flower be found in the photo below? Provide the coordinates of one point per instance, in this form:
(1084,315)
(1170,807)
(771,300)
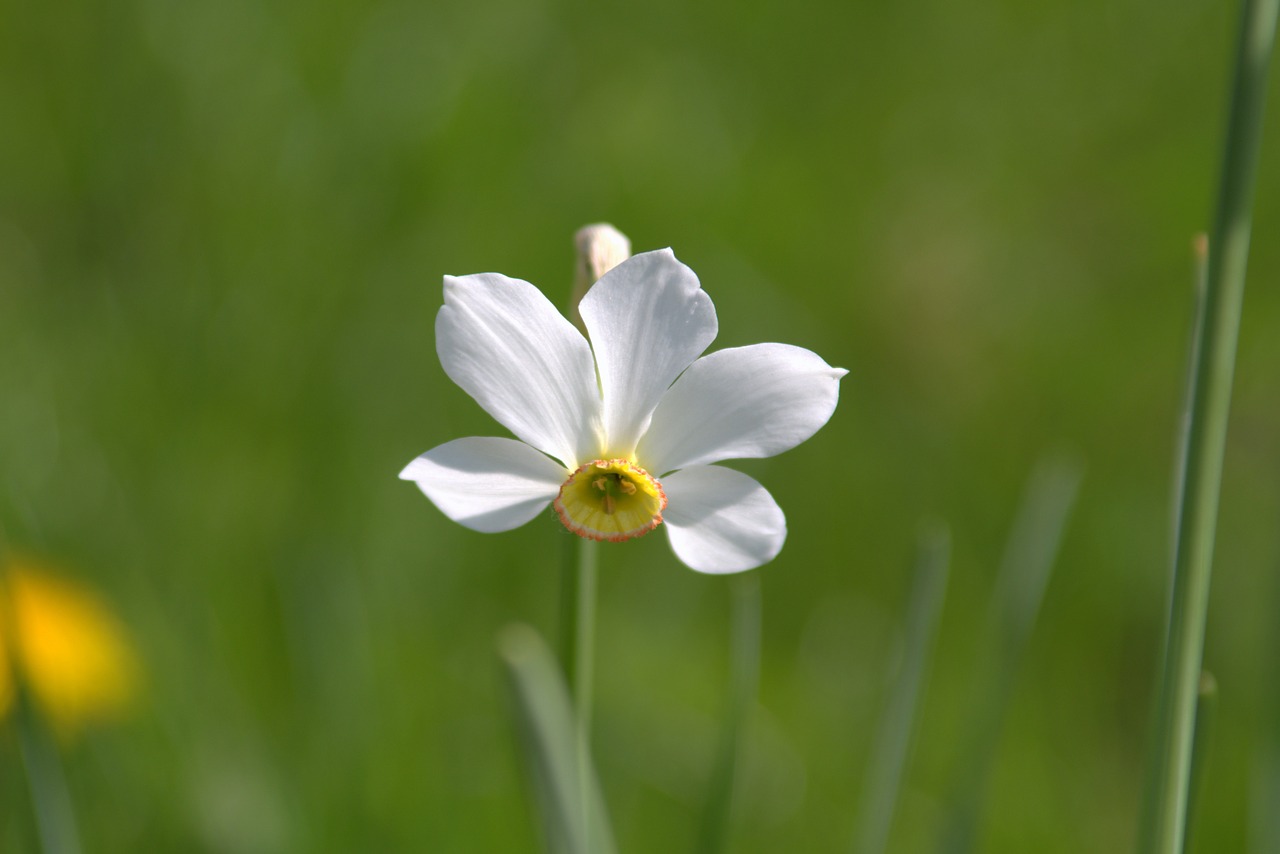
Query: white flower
(620,433)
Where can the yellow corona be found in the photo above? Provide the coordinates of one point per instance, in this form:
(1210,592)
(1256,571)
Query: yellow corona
(612,500)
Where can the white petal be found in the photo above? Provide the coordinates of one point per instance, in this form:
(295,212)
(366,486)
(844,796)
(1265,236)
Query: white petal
(487,484)
(742,402)
(505,344)
(720,520)
(648,319)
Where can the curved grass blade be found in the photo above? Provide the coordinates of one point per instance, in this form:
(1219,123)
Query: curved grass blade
(893,741)
(744,680)
(1024,574)
(565,785)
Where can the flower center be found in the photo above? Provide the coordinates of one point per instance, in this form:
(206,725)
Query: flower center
(611,500)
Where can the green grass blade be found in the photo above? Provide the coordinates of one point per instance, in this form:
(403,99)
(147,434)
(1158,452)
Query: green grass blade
(891,747)
(1264,794)
(578,638)
(1024,574)
(1200,252)
(568,793)
(1030,554)
(744,680)
(1169,767)
(50,798)
(1206,710)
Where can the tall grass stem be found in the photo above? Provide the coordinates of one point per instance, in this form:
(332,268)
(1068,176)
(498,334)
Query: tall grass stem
(50,798)
(744,682)
(1029,556)
(891,747)
(1206,711)
(564,781)
(577,646)
(1169,767)
(1264,794)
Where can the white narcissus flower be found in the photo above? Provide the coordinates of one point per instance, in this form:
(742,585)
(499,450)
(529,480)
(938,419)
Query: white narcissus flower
(621,433)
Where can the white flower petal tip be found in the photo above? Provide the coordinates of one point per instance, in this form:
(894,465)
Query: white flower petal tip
(486,484)
(648,319)
(739,403)
(721,521)
(612,500)
(508,347)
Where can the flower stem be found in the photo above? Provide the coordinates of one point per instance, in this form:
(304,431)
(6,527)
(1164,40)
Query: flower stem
(578,624)
(584,658)
(599,248)
(744,680)
(577,647)
(1169,766)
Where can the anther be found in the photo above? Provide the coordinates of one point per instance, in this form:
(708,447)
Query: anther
(610,500)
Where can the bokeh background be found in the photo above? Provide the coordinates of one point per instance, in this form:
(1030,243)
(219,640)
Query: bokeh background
(222,231)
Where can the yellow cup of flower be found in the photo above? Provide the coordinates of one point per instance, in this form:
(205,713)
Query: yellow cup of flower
(65,648)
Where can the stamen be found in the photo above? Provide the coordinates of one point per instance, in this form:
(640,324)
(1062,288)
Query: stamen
(610,500)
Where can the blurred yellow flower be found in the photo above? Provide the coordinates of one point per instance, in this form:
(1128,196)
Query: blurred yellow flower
(65,647)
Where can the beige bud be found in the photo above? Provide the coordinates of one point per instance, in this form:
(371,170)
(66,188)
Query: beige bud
(600,247)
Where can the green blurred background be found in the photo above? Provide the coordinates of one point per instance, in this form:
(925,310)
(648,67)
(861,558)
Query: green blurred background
(222,231)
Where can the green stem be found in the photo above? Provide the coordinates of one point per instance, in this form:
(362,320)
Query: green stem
(578,623)
(599,248)
(1264,794)
(577,644)
(588,555)
(1024,574)
(1200,251)
(568,635)
(744,681)
(889,751)
(50,800)
(1206,705)
(1170,765)
(564,782)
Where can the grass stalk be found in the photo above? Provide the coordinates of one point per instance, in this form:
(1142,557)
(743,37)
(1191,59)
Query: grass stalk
(564,781)
(744,682)
(1264,794)
(1169,767)
(1206,710)
(577,650)
(50,798)
(890,749)
(1029,556)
